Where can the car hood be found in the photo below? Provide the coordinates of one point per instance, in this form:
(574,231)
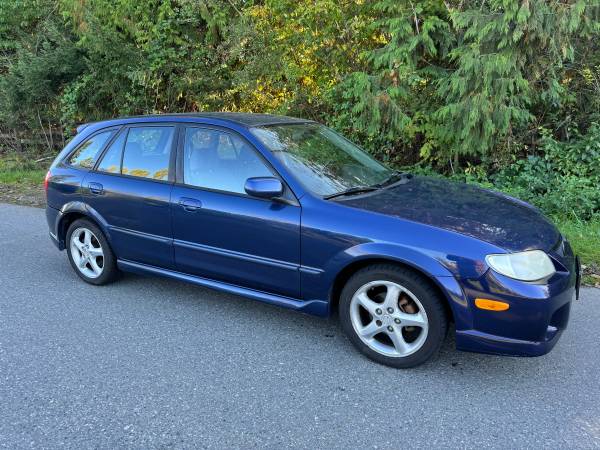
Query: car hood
(480,213)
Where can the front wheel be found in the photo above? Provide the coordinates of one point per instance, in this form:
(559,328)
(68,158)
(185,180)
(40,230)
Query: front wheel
(393,315)
(89,253)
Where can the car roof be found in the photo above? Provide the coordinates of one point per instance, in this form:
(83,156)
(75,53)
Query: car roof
(244,119)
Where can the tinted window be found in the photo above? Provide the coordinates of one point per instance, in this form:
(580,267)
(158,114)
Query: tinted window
(147,152)
(86,154)
(218,160)
(111,161)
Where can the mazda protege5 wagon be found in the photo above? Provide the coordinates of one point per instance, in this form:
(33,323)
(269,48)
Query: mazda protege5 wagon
(288,212)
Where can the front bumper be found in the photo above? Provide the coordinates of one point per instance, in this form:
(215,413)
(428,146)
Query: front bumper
(533,324)
(557,309)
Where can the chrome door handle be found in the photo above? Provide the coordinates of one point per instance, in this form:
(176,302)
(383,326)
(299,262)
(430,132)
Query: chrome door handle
(190,204)
(96,188)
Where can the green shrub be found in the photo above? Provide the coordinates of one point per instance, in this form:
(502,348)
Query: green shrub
(563,181)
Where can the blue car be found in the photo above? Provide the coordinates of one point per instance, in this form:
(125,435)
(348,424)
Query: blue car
(288,212)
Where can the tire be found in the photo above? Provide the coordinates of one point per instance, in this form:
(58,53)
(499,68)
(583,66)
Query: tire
(86,240)
(378,302)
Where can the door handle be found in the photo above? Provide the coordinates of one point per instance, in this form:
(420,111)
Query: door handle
(96,188)
(190,204)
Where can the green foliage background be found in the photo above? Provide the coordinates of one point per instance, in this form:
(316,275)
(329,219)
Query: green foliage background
(505,93)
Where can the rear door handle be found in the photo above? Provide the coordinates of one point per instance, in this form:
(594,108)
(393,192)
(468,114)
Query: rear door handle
(96,188)
(190,204)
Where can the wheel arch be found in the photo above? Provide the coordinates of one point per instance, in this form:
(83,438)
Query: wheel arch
(354,266)
(70,213)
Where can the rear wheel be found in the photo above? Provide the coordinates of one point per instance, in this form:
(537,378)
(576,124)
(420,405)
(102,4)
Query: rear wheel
(89,253)
(393,315)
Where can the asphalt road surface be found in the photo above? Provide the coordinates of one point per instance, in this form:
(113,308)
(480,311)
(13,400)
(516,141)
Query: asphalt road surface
(154,363)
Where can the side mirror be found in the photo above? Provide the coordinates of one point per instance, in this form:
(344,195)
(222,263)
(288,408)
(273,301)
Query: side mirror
(264,187)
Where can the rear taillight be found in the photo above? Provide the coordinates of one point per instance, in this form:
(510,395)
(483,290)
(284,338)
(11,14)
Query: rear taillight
(46,181)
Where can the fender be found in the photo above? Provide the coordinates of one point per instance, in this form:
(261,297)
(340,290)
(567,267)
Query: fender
(78,207)
(320,283)
(428,263)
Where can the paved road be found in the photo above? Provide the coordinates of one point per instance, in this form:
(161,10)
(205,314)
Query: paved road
(153,363)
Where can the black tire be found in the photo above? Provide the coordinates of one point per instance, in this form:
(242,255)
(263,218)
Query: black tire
(110,272)
(426,294)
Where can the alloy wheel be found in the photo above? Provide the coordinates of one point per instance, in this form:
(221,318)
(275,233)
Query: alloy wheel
(87,252)
(388,318)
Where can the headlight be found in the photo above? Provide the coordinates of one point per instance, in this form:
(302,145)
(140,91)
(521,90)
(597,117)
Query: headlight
(526,266)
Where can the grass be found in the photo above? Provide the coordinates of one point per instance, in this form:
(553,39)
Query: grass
(21,169)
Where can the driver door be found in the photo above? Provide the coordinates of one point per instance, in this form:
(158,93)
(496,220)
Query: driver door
(222,233)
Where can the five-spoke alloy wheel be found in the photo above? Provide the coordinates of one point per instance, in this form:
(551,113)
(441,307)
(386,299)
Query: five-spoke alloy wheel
(89,253)
(393,315)
(388,318)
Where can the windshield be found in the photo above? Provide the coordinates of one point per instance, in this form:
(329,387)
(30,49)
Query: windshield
(322,160)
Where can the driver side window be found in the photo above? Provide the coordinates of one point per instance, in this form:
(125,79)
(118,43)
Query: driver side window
(218,160)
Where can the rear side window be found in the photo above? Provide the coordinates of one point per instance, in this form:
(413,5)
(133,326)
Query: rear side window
(86,154)
(147,152)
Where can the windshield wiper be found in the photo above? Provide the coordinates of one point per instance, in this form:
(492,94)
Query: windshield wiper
(351,191)
(394,178)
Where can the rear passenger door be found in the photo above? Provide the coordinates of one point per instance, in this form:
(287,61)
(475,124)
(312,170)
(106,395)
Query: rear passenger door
(130,189)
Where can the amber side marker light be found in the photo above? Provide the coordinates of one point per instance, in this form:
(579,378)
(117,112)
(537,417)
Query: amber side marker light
(491,305)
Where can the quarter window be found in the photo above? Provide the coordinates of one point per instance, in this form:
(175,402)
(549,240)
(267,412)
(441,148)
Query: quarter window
(147,152)
(111,161)
(86,154)
(218,160)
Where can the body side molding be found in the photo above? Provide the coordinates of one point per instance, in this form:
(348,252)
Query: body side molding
(314,307)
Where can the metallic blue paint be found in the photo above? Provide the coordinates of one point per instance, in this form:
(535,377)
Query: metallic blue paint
(137,215)
(264,187)
(238,239)
(470,210)
(293,251)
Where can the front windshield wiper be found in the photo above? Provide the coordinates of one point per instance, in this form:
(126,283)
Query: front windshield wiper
(394,178)
(351,191)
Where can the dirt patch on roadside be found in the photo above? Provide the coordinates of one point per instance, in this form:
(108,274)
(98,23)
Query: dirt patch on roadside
(591,275)
(23,195)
